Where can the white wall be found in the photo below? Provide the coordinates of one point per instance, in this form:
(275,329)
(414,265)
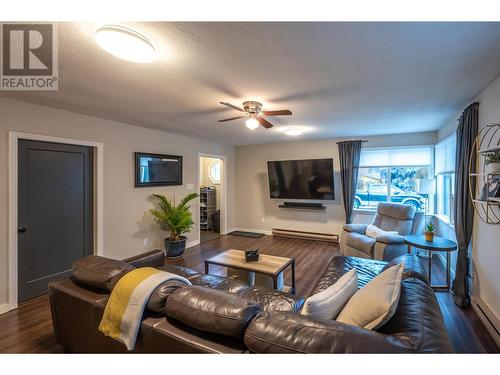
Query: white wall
(256,211)
(485,254)
(127,231)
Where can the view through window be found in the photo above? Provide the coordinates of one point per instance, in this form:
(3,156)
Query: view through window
(394,175)
(445,175)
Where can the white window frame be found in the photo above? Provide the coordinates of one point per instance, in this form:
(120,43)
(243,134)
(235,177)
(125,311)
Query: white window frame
(210,176)
(389,175)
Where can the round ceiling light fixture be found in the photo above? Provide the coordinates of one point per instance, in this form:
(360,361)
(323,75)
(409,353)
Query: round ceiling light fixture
(125,43)
(293,131)
(251,123)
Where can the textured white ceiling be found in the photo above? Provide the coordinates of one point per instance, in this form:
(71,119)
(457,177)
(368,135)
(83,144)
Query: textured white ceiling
(339,79)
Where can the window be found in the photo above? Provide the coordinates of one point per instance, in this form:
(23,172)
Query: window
(445,172)
(214,171)
(394,175)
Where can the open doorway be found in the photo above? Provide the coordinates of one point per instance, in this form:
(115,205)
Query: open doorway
(212,195)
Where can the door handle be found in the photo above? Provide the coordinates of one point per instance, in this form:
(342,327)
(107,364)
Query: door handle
(21,229)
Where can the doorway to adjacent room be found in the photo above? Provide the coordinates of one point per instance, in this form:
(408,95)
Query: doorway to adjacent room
(212,197)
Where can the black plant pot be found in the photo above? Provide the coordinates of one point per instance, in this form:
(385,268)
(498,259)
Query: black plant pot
(175,249)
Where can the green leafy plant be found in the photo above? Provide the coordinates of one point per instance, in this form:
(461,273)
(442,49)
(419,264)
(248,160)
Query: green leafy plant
(175,218)
(430,228)
(492,157)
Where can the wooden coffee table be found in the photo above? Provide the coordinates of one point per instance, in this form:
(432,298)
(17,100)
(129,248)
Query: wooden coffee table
(267,265)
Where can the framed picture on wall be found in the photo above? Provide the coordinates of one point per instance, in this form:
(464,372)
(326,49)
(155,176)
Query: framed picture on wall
(157,169)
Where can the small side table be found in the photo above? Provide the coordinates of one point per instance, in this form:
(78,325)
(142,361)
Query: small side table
(439,244)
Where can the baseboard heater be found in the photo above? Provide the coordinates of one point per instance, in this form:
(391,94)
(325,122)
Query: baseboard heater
(328,237)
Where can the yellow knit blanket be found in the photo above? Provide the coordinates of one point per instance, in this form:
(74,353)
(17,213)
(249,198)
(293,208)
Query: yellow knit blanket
(123,313)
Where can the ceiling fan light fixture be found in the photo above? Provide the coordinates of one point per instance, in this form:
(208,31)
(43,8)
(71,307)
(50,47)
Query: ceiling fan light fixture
(251,123)
(293,132)
(125,43)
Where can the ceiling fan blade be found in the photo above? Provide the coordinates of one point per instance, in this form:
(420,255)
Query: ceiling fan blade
(232,118)
(283,112)
(232,106)
(264,122)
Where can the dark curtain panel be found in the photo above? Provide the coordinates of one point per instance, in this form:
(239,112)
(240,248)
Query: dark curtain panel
(349,153)
(464,209)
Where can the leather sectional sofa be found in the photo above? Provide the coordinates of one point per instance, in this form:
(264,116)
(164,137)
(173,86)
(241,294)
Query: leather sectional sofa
(221,315)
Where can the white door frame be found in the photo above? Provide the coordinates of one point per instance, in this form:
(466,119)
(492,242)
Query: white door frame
(223,203)
(14,138)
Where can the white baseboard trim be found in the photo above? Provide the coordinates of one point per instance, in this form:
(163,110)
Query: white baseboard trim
(488,317)
(192,243)
(4,308)
(266,232)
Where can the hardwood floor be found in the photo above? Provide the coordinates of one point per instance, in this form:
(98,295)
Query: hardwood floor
(28,329)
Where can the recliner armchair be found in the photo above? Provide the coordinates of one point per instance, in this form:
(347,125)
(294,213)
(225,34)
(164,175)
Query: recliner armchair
(397,217)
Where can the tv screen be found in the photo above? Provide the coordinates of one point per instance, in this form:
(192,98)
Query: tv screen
(301,179)
(157,170)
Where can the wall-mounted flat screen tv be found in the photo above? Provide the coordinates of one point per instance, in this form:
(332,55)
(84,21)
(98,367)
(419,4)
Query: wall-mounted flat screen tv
(157,170)
(301,179)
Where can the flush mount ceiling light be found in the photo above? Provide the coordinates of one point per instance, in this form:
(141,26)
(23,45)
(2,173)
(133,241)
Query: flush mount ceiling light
(125,43)
(251,123)
(293,131)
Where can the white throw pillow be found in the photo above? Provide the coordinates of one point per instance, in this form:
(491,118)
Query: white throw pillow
(374,304)
(328,303)
(373,231)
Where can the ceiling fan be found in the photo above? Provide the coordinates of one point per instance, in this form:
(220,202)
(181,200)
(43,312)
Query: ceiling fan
(254,114)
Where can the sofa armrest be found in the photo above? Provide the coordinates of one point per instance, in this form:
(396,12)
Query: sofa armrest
(285,332)
(391,239)
(153,258)
(356,228)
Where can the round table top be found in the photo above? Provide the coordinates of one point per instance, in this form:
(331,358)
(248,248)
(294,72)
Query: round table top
(438,244)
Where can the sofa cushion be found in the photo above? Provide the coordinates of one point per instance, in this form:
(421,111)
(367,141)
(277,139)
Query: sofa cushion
(220,282)
(361,242)
(271,299)
(99,272)
(284,332)
(212,310)
(372,306)
(414,267)
(328,303)
(159,296)
(366,270)
(188,273)
(418,319)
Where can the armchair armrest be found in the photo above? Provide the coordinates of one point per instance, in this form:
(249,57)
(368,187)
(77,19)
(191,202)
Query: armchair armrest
(356,228)
(391,239)
(286,332)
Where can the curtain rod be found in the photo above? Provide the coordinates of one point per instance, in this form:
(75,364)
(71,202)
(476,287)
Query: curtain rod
(356,140)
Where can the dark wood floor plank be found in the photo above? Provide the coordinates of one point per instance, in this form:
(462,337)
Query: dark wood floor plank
(28,329)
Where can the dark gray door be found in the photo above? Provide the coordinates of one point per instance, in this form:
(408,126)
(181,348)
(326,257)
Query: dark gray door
(55,225)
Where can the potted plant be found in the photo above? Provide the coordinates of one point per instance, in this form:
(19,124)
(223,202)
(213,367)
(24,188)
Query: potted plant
(175,218)
(429,233)
(492,161)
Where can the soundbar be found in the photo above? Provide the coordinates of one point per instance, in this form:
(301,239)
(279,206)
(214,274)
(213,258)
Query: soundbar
(303,206)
